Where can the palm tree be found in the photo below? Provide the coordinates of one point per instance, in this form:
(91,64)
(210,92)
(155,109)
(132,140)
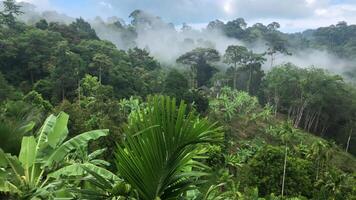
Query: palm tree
(158,156)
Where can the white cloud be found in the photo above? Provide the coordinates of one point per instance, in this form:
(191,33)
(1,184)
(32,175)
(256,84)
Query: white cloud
(293,15)
(40,4)
(105,4)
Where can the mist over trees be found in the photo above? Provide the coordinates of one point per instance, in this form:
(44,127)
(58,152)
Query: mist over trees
(94,109)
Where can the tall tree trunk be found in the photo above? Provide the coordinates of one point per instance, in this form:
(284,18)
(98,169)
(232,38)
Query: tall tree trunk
(300,114)
(235,76)
(276,101)
(272,60)
(194,82)
(249,80)
(79,92)
(348,142)
(284,170)
(100,75)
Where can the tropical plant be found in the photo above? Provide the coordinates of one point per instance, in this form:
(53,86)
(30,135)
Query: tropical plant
(30,174)
(17,119)
(159,156)
(99,187)
(231,103)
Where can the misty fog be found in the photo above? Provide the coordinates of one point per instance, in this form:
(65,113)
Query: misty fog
(166,42)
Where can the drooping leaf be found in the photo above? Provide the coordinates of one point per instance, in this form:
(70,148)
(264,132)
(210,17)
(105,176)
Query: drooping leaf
(27,127)
(96,153)
(13,163)
(74,143)
(78,169)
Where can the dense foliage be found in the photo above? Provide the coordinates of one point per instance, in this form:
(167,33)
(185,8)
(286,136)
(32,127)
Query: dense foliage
(81,119)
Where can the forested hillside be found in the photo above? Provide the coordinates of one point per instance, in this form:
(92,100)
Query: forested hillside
(219,115)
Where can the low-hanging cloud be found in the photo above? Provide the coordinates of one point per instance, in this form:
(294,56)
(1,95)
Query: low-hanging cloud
(166,43)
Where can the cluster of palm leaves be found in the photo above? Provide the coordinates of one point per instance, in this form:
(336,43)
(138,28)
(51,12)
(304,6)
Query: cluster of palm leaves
(159,155)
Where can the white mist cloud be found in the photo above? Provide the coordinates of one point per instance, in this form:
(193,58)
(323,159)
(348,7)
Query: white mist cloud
(40,4)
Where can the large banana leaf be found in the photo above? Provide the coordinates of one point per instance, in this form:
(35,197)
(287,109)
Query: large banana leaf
(60,130)
(74,143)
(160,144)
(27,153)
(45,130)
(78,169)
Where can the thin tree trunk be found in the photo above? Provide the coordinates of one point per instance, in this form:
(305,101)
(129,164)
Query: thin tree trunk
(272,60)
(100,75)
(290,112)
(348,142)
(249,80)
(276,101)
(284,170)
(235,76)
(317,168)
(79,93)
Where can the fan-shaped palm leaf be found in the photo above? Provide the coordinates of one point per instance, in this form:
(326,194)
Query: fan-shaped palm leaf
(156,157)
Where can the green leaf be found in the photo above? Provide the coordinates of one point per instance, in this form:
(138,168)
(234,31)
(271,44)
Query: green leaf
(27,153)
(27,128)
(96,153)
(46,128)
(77,142)
(60,130)
(78,169)
(12,162)
(161,141)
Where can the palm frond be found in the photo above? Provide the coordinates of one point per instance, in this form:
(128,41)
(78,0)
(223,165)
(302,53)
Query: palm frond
(155,161)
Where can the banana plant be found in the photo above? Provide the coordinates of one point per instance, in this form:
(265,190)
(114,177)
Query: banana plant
(100,187)
(28,175)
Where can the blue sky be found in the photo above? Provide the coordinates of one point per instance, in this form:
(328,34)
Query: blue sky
(293,15)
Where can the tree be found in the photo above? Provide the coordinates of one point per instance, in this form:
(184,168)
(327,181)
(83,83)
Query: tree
(265,170)
(7,91)
(8,15)
(196,58)
(141,58)
(37,48)
(156,157)
(275,42)
(65,74)
(244,60)
(84,29)
(253,66)
(42,24)
(216,25)
(238,56)
(235,28)
(102,63)
(175,84)
(36,100)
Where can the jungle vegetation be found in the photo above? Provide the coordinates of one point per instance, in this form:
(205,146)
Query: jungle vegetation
(82,119)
